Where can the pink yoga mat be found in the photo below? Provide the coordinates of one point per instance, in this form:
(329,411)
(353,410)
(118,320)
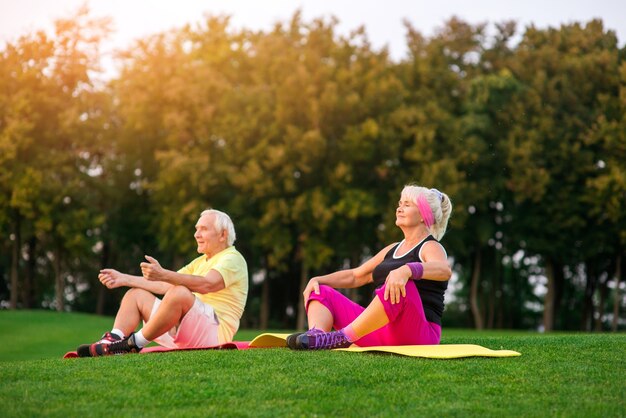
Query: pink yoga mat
(235,345)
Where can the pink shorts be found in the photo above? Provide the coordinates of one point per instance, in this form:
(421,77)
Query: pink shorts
(198,328)
(407,323)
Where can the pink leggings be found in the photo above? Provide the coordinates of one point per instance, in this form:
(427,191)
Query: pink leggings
(407,323)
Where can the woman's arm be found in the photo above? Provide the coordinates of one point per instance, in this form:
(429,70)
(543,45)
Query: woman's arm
(346,279)
(434,267)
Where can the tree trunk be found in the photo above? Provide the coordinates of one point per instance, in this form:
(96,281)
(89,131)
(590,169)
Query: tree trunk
(264,313)
(59,282)
(590,288)
(616,296)
(499,294)
(178,262)
(559,284)
(603,289)
(491,316)
(29,277)
(304,279)
(548,304)
(15,259)
(478,320)
(102,290)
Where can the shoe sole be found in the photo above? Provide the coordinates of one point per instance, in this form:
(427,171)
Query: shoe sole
(292,341)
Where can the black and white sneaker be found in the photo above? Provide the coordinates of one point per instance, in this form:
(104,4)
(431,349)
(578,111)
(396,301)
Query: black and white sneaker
(108,338)
(125,346)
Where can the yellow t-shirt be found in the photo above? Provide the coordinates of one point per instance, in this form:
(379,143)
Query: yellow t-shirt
(230,301)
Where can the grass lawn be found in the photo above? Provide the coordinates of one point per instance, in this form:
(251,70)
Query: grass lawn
(579,375)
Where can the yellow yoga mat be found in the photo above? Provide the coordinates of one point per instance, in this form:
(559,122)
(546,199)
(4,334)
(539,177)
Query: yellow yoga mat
(269,340)
(440,351)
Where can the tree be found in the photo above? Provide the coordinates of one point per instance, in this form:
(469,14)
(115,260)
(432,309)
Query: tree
(45,80)
(567,72)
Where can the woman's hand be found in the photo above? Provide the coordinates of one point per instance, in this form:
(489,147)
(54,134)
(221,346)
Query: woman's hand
(312,286)
(395,284)
(111,278)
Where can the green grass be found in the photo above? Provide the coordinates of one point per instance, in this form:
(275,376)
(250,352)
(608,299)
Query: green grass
(580,375)
(36,335)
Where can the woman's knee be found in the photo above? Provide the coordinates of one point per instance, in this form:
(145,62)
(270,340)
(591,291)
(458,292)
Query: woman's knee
(325,290)
(324,298)
(324,294)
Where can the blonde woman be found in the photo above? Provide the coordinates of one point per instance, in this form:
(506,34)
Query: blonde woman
(410,277)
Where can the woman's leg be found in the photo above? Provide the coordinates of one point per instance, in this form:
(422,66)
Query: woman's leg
(403,323)
(371,319)
(331,309)
(382,323)
(326,310)
(319,316)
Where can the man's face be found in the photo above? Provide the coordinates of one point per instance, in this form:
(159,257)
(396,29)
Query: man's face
(207,237)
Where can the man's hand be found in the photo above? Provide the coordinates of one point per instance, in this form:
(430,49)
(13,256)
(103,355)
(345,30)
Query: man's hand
(111,278)
(396,284)
(312,286)
(152,270)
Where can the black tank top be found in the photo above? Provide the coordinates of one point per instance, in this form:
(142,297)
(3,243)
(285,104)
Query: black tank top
(431,291)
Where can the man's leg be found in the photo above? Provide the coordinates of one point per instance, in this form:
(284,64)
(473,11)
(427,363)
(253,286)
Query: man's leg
(176,303)
(135,307)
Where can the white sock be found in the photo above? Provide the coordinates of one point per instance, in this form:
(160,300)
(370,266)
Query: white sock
(140,340)
(118,332)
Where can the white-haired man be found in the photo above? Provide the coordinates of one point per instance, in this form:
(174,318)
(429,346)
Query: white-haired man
(202,303)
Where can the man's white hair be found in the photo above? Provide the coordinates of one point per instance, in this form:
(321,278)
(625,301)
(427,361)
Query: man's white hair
(222,222)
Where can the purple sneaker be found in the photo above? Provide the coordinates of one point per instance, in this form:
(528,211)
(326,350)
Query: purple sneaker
(322,341)
(292,340)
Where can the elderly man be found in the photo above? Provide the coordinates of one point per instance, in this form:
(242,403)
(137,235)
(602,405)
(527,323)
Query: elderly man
(202,303)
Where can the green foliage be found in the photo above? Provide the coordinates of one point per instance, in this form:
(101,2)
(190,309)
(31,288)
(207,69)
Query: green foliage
(306,137)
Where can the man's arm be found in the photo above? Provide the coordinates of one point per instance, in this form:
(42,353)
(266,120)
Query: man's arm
(113,279)
(212,282)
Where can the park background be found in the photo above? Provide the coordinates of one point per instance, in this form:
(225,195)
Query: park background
(305,135)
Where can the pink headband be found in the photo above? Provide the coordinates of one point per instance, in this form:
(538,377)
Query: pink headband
(425,210)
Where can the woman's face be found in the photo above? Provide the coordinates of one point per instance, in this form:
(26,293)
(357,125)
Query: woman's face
(407,213)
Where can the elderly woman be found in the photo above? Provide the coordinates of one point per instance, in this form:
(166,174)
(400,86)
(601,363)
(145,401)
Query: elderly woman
(410,279)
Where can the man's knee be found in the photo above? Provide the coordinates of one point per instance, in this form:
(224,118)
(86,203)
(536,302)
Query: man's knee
(137,294)
(179,294)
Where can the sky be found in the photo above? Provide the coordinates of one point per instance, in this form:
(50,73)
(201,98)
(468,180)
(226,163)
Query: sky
(382,19)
